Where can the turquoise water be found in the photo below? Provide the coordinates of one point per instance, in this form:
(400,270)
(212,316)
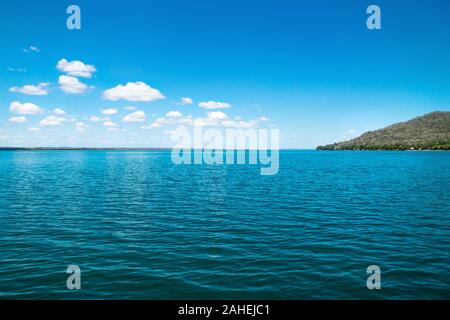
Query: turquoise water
(140,227)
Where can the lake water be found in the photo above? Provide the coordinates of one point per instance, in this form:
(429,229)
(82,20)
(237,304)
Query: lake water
(141,227)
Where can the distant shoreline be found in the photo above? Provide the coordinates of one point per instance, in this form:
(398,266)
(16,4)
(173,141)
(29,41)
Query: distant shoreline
(79,149)
(118,149)
(170,149)
(113,149)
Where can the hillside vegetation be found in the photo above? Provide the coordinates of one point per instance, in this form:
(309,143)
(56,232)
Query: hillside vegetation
(428,132)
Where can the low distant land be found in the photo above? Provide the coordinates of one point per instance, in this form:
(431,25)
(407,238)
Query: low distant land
(80,149)
(427,132)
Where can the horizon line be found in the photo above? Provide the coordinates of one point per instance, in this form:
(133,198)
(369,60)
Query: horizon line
(131,148)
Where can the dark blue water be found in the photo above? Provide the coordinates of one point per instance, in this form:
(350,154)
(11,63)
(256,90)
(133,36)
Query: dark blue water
(140,227)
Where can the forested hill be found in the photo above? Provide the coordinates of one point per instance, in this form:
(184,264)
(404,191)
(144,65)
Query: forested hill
(428,132)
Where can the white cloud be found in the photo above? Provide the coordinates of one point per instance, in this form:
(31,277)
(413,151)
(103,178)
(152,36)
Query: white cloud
(76,68)
(34,129)
(17,69)
(131,108)
(239,124)
(51,121)
(351,131)
(109,124)
(214,105)
(109,111)
(186,100)
(71,85)
(174,114)
(98,119)
(25,108)
(203,122)
(95,119)
(133,91)
(217,115)
(31,49)
(137,116)
(30,89)
(58,111)
(18,119)
(152,126)
(80,126)
(163,120)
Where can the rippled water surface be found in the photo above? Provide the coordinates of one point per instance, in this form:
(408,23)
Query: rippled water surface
(140,227)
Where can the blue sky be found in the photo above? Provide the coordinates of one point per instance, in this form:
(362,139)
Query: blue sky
(310,68)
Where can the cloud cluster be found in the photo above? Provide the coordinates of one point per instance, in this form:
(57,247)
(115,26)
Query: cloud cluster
(71,85)
(186,100)
(137,116)
(76,68)
(213,119)
(26,108)
(39,90)
(58,111)
(21,119)
(218,115)
(109,111)
(174,114)
(51,121)
(214,105)
(133,91)
(109,123)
